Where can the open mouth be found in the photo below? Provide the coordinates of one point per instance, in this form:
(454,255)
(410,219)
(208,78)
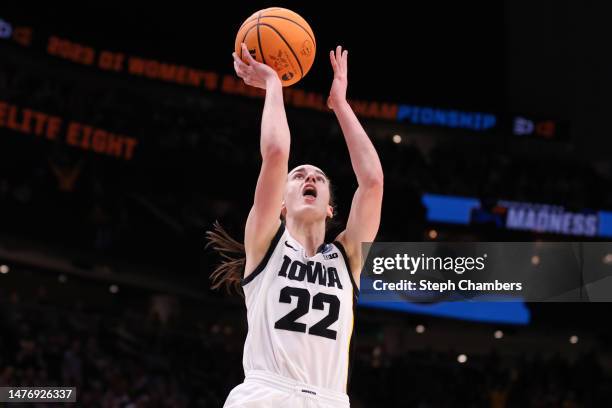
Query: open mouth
(310,192)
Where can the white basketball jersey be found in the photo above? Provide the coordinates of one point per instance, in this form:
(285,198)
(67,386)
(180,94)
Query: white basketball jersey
(300,313)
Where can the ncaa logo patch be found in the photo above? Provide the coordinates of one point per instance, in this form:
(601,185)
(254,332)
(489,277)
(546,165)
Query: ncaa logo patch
(326,248)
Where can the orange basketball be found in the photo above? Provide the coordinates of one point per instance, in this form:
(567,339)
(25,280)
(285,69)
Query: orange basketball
(281,39)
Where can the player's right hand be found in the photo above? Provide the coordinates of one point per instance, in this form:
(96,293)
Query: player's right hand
(254,73)
(339,62)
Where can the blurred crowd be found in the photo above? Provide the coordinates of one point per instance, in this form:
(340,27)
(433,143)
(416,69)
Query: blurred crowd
(129,359)
(428,379)
(130,355)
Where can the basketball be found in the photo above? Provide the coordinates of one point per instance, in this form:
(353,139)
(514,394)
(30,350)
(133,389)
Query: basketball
(280,38)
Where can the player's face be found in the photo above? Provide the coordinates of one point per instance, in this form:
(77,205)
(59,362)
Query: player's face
(307,193)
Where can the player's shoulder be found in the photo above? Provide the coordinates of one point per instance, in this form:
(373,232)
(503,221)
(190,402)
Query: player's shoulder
(256,263)
(352,256)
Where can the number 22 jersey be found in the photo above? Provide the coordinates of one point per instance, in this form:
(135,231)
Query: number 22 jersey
(300,312)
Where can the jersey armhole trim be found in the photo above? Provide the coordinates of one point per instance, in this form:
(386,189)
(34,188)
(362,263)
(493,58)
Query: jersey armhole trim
(266,258)
(348,267)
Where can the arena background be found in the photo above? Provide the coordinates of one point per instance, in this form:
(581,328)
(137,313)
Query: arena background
(141,136)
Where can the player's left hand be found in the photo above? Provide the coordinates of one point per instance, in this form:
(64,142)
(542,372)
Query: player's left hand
(337,94)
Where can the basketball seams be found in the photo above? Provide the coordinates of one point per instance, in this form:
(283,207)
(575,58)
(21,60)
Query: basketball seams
(259,18)
(244,38)
(250,20)
(297,24)
(263,58)
(286,43)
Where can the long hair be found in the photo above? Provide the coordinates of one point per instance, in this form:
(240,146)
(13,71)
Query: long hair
(228,273)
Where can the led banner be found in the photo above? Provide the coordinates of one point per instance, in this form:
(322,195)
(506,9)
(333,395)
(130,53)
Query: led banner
(453,119)
(115,61)
(483,122)
(432,272)
(489,312)
(539,128)
(518,216)
(44,126)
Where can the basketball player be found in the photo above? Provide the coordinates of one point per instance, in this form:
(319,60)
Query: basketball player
(300,292)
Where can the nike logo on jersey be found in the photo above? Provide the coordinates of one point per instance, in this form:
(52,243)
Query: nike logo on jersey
(287,244)
(313,272)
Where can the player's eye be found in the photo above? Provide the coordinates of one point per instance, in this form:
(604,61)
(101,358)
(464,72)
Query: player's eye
(321,179)
(298,176)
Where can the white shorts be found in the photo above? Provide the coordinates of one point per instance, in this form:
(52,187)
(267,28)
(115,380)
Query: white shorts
(262,389)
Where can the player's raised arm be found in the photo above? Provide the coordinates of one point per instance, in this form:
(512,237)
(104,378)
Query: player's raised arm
(364,218)
(263,220)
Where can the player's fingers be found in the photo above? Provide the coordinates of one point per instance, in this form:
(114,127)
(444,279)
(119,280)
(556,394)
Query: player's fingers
(247,54)
(240,72)
(241,67)
(339,55)
(237,59)
(239,64)
(332,59)
(345,60)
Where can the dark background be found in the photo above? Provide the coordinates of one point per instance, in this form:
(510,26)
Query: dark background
(140,224)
